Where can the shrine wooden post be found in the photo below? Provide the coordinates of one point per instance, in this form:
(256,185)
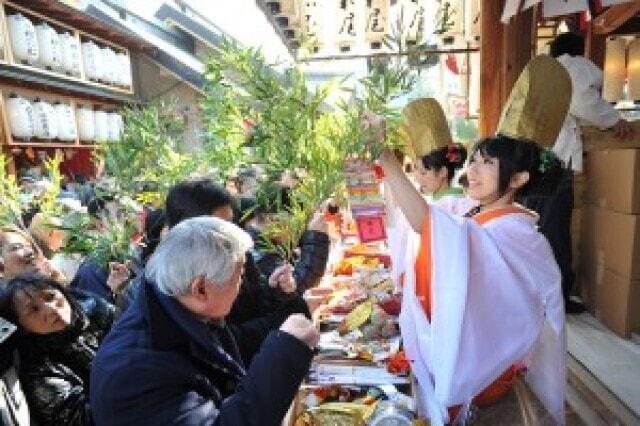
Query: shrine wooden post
(504,52)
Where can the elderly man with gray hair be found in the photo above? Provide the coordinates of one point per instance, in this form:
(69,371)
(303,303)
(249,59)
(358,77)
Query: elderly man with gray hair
(171,359)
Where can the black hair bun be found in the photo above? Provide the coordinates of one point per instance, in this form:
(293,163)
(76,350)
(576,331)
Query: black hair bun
(456,155)
(452,157)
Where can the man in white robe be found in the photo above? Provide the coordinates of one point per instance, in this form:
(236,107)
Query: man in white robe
(587,107)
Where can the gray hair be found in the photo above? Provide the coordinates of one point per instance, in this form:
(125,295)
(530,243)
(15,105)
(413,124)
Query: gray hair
(201,246)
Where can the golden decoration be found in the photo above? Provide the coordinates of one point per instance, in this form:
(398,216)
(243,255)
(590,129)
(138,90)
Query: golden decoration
(424,127)
(539,102)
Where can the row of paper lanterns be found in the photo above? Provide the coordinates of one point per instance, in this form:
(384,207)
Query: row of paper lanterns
(43,120)
(40,45)
(306,16)
(622,67)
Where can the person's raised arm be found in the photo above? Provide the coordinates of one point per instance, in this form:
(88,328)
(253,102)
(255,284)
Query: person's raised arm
(413,206)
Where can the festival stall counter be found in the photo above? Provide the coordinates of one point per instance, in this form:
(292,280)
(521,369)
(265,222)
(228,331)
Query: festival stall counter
(359,374)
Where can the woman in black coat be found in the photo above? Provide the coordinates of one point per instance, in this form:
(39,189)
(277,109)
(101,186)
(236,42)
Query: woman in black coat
(59,331)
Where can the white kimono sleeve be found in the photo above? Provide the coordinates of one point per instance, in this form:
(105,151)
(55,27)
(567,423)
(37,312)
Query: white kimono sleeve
(490,286)
(404,241)
(399,232)
(587,104)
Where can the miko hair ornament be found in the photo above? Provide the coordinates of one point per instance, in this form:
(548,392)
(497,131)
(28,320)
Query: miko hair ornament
(547,160)
(452,156)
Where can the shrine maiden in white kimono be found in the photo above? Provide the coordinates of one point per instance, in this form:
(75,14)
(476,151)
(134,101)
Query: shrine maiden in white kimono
(481,294)
(495,301)
(401,238)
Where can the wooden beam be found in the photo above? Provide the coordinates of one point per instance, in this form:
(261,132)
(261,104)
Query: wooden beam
(614,17)
(632,26)
(491,45)
(518,47)
(10,164)
(595,139)
(595,46)
(504,52)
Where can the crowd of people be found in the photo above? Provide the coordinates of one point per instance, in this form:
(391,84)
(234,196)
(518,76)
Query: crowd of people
(206,325)
(239,308)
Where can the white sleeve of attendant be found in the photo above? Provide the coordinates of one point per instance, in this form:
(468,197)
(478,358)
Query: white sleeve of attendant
(398,237)
(456,206)
(488,286)
(587,103)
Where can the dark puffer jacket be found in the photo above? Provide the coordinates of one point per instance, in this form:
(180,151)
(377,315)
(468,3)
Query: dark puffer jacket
(308,267)
(93,277)
(162,365)
(54,368)
(260,309)
(257,310)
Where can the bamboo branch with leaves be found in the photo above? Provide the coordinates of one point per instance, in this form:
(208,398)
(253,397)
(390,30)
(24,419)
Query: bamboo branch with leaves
(150,157)
(388,81)
(13,204)
(292,131)
(47,202)
(111,243)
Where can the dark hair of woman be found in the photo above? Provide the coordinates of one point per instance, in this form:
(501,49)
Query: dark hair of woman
(195,198)
(55,356)
(97,204)
(520,155)
(274,198)
(452,157)
(26,283)
(567,43)
(278,198)
(153,226)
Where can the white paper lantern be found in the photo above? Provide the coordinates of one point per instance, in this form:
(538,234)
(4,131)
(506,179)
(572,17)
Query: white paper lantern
(101,126)
(111,65)
(86,123)
(633,70)
(614,69)
(67,130)
(70,54)
(49,47)
(412,19)
(46,120)
(311,17)
(124,66)
(472,20)
(377,21)
(346,20)
(453,13)
(92,60)
(21,117)
(292,10)
(1,42)
(115,126)
(24,41)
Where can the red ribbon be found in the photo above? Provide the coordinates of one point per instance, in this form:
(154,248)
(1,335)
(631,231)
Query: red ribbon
(452,155)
